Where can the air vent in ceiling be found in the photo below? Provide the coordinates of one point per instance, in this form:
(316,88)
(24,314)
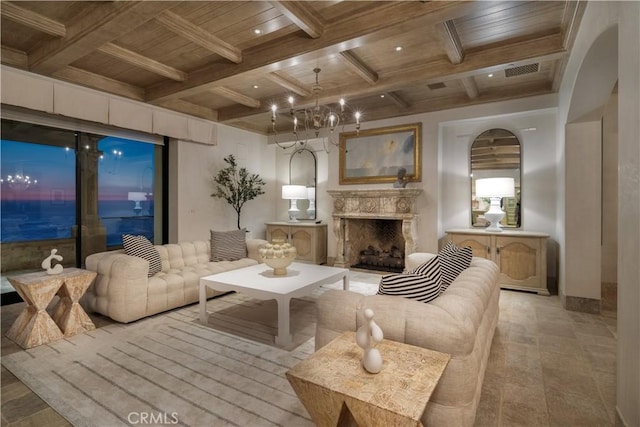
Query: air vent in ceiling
(523,69)
(434,86)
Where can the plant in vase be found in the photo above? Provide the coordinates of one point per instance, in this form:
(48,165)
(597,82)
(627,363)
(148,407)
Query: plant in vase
(236,185)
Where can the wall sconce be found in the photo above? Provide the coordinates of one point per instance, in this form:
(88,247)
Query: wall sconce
(137,196)
(495,189)
(293,193)
(311,195)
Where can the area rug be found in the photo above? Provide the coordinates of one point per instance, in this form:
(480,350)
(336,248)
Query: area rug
(169,369)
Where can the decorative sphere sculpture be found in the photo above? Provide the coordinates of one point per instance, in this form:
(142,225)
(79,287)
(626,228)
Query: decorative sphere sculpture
(278,255)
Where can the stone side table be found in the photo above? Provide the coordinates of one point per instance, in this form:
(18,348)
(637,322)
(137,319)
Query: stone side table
(68,314)
(34,326)
(338,391)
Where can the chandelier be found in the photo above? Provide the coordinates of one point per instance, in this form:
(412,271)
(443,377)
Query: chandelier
(316,120)
(18,182)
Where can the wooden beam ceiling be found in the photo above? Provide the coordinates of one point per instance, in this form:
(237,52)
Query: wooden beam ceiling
(148,64)
(301,15)
(370,25)
(197,35)
(104,23)
(33,20)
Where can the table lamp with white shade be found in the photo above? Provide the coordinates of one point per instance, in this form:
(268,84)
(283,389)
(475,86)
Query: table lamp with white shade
(495,189)
(137,196)
(294,193)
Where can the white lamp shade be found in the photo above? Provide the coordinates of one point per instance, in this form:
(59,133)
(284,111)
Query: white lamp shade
(495,187)
(311,193)
(137,196)
(294,192)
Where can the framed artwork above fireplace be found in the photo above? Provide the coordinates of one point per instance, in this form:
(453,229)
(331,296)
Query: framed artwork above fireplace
(377,155)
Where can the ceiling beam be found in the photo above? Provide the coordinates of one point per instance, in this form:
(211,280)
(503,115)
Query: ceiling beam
(14,57)
(521,52)
(359,66)
(33,20)
(397,99)
(96,81)
(571,22)
(191,109)
(470,86)
(236,96)
(451,41)
(103,23)
(180,26)
(144,62)
(303,16)
(378,22)
(289,83)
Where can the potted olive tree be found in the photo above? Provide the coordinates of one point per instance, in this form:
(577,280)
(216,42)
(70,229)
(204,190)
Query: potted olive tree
(236,185)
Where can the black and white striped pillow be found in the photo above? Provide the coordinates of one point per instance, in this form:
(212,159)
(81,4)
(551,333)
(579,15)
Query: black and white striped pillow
(141,247)
(228,245)
(421,287)
(453,260)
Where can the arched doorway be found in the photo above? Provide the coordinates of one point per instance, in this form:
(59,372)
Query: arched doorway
(588,220)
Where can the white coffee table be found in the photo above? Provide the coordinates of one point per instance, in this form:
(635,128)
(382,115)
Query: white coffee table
(258,281)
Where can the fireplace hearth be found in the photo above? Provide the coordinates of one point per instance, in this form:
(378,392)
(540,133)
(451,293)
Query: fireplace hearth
(381,260)
(375,229)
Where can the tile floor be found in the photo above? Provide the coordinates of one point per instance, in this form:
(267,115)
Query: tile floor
(547,367)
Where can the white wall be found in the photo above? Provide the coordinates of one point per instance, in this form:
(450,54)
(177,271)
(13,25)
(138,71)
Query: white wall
(536,132)
(193,212)
(598,17)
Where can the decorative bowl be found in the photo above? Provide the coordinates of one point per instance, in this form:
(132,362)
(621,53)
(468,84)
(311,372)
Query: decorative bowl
(278,255)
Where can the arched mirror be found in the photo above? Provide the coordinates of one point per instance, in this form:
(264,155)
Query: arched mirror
(496,154)
(302,171)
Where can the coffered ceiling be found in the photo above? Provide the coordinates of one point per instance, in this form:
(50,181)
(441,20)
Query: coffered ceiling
(228,61)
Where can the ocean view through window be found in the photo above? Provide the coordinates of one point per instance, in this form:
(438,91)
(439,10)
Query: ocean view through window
(74,191)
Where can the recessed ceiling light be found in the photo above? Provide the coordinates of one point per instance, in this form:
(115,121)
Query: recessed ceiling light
(490,75)
(257,31)
(256,86)
(398,48)
(382,96)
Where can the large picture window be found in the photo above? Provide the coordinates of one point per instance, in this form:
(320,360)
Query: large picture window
(75,191)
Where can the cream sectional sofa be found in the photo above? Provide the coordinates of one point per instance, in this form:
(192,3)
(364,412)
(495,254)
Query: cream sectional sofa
(460,322)
(123,292)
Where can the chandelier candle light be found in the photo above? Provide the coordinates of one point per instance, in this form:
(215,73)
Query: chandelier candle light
(315,119)
(495,189)
(294,193)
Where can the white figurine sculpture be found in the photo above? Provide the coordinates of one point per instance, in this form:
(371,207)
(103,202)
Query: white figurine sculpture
(46,263)
(366,336)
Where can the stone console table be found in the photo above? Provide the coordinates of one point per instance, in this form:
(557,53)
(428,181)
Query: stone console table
(390,203)
(34,326)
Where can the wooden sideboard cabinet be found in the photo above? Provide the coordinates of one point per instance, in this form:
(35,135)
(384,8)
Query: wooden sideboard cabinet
(310,239)
(521,256)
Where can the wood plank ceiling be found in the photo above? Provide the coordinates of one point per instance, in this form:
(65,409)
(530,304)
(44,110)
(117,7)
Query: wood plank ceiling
(228,61)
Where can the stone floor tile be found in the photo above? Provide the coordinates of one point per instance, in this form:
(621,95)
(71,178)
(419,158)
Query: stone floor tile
(488,413)
(566,409)
(568,380)
(561,345)
(16,409)
(560,329)
(524,406)
(47,417)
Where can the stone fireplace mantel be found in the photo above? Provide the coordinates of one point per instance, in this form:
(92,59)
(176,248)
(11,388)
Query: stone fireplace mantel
(391,203)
